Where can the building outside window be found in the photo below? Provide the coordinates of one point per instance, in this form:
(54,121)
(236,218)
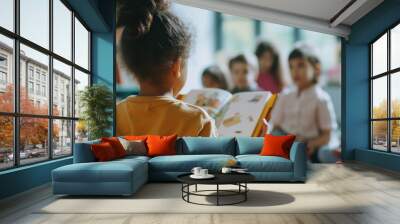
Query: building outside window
(43,90)
(44,77)
(38,89)
(30,87)
(3,72)
(3,78)
(30,72)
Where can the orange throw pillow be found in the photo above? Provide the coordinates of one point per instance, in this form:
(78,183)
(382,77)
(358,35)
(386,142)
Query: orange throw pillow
(135,137)
(116,145)
(277,145)
(161,145)
(103,152)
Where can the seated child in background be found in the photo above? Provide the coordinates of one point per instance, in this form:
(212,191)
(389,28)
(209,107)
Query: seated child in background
(307,110)
(161,72)
(269,76)
(239,68)
(213,77)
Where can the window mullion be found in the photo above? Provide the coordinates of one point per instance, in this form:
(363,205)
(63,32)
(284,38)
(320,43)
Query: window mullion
(73,82)
(16,84)
(389,101)
(50,81)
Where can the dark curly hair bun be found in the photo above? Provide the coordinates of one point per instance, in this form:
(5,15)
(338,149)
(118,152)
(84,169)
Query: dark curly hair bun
(137,15)
(153,38)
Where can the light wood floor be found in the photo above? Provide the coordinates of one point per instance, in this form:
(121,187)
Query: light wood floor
(379,189)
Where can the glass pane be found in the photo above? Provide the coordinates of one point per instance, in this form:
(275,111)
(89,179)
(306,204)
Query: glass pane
(34,72)
(62,89)
(379,135)
(81,45)
(395,47)
(33,139)
(35,21)
(62,138)
(81,81)
(81,131)
(395,94)
(6,74)
(236,42)
(6,142)
(62,29)
(395,132)
(379,97)
(379,55)
(7,14)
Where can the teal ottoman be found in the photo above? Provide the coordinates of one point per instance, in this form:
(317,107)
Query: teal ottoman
(118,177)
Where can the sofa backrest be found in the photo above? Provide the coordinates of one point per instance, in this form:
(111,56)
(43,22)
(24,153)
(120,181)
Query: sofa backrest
(191,146)
(249,145)
(83,152)
(206,145)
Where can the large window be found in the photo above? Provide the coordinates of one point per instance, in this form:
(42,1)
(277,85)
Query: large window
(385,91)
(44,64)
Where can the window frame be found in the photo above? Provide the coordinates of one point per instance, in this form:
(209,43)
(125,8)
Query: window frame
(388,74)
(16,115)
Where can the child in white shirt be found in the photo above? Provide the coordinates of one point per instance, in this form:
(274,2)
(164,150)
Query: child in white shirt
(307,110)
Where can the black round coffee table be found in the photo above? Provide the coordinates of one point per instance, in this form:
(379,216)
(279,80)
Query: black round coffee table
(238,179)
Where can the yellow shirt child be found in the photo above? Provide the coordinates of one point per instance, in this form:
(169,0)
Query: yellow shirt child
(162,115)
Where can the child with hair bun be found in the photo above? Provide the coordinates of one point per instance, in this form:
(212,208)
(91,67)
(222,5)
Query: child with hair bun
(154,46)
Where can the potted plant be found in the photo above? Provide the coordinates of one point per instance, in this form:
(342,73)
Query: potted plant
(96,103)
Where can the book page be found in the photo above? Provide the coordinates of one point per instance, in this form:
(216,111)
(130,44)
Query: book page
(242,113)
(210,99)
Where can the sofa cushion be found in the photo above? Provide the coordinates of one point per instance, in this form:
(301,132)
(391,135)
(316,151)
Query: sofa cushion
(161,145)
(206,145)
(112,171)
(103,152)
(116,145)
(277,145)
(185,163)
(257,163)
(249,145)
(134,147)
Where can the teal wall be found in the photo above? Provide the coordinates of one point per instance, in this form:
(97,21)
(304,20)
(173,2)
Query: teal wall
(355,67)
(103,51)
(99,16)
(24,178)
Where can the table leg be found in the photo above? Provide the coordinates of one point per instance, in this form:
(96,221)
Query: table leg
(188,190)
(217,194)
(245,193)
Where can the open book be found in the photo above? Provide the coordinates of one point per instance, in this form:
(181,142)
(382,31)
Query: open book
(240,114)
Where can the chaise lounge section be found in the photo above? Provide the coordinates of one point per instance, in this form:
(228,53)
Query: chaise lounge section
(125,176)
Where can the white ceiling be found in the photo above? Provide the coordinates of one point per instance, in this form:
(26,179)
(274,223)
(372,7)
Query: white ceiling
(320,9)
(313,15)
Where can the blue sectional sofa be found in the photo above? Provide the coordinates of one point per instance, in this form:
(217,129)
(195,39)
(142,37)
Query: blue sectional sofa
(125,176)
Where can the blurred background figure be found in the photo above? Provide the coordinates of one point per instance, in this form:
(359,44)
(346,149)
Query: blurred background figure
(306,110)
(269,77)
(239,69)
(213,77)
